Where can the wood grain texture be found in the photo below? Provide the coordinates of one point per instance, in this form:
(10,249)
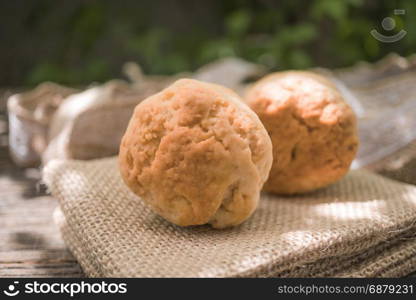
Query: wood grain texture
(30,242)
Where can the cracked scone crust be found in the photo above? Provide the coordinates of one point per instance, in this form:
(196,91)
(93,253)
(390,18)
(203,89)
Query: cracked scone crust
(313,130)
(196,154)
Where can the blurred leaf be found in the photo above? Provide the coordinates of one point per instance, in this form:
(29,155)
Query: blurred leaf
(44,72)
(238,22)
(87,25)
(98,69)
(299,59)
(216,49)
(335,9)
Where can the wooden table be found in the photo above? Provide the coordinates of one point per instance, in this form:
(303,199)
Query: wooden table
(30,242)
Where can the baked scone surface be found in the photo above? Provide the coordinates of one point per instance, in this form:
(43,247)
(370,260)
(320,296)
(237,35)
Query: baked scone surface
(313,130)
(196,154)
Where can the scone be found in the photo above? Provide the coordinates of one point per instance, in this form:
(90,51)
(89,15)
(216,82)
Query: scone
(196,154)
(313,130)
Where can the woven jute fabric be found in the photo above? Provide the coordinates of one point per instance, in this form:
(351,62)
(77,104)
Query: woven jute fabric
(362,226)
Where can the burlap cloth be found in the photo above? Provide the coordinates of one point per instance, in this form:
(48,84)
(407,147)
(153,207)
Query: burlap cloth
(365,225)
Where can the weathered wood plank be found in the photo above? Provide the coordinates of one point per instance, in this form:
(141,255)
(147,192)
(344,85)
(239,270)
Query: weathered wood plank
(30,242)
(43,263)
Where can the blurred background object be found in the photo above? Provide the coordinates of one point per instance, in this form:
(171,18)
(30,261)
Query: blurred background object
(77,42)
(29,116)
(91,124)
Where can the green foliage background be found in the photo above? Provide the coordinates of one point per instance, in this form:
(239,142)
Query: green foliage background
(76,42)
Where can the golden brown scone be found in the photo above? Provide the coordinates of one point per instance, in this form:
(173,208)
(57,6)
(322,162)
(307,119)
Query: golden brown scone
(313,130)
(196,154)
